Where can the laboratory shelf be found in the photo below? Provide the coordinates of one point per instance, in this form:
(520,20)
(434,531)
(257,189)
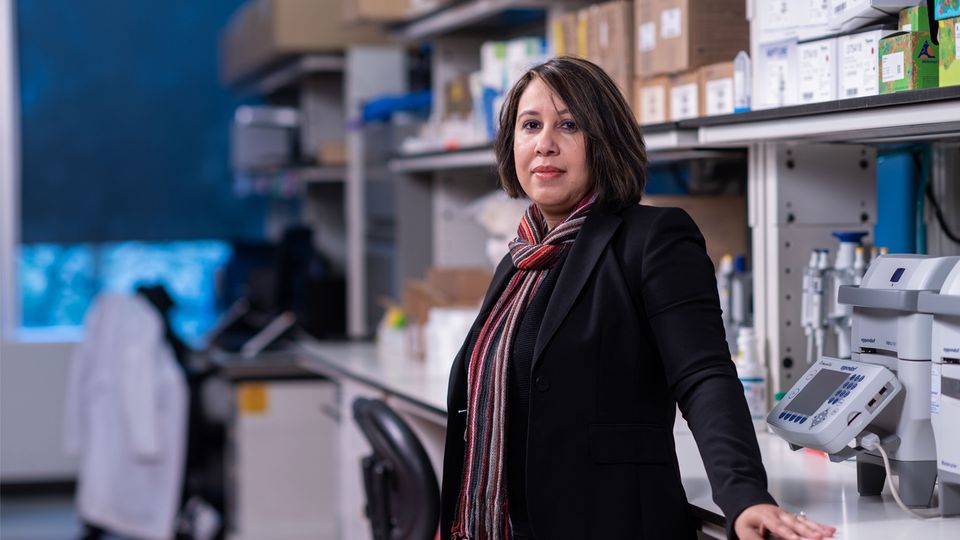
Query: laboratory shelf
(294,71)
(468,158)
(663,146)
(932,113)
(475,15)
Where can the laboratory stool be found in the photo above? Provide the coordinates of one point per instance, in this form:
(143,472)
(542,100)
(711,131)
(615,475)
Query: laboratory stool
(403,497)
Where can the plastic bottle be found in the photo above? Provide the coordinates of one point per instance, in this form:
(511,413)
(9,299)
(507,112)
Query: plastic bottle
(859,265)
(724,290)
(741,290)
(742,82)
(753,376)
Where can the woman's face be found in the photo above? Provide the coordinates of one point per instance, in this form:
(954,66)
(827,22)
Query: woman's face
(550,153)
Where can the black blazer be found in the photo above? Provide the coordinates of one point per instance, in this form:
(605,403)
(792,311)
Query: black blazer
(632,328)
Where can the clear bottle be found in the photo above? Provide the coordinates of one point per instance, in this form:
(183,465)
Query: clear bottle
(753,376)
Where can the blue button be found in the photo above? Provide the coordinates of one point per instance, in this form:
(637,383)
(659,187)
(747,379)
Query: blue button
(782,415)
(854,385)
(804,419)
(792,417)
(846,393)
(860,378)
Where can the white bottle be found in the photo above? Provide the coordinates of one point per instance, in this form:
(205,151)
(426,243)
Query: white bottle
(742,82)
(753,376)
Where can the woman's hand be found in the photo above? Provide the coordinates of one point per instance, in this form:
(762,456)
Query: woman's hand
(758,520)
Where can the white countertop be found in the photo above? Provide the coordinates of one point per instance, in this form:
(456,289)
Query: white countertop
(802,480)
(411,379)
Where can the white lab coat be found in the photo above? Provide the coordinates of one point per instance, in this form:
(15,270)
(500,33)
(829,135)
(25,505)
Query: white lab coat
(127,419)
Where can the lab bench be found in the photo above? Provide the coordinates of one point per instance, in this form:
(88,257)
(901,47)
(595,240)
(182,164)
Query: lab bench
(802,480)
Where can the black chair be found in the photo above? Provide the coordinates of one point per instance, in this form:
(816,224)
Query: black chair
(403,497)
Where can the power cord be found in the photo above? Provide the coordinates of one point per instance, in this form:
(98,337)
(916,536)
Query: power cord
(871,441)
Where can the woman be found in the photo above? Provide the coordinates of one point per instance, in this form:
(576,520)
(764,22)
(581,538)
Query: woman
(603,316)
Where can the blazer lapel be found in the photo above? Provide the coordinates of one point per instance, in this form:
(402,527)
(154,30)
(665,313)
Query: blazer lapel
(590,243)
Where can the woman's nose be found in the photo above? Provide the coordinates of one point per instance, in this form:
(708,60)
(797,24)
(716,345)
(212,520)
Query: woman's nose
(546,143)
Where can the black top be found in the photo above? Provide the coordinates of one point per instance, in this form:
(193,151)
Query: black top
(518,399)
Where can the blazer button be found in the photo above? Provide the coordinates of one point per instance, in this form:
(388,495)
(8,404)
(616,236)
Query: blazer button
(542,383)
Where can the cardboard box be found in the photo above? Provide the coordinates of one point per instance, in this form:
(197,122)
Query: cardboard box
(721,219)
(846,15)
(610,42)
(375,10)
(680,35)
(716,92)
(445,287)
(583,32)
(332,153)
(652,100)
(949,51)
(262,33)
(776,69)
(858,73)
(946,9)
(908,61)
(818,70)
(564,34)
(915,19)
(685,96)
(387,10)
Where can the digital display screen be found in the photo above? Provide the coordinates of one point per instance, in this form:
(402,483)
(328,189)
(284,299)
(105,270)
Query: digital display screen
(818,390)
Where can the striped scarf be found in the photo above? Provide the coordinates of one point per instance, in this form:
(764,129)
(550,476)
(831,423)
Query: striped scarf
(482,505)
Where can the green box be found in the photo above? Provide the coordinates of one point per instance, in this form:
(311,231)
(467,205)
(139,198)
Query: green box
(946,9)
(915,19)
(908,61)
(949,52)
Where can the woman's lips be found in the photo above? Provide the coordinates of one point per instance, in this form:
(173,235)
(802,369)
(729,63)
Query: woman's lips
(547,173)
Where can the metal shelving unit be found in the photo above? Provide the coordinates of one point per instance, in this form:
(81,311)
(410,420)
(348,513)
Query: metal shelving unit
(463,15)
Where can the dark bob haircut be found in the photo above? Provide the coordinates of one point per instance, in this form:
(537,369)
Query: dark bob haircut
(616,155)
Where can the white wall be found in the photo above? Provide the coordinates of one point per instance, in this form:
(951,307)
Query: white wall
(33,382)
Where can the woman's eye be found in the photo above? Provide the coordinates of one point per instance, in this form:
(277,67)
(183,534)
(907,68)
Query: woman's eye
(568,125)
(530,124)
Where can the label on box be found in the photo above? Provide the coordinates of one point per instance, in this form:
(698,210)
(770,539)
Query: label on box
(907,27)
(719,97)
(776,73)
(858,66)
(653,108)
(935,389)
(604,34)
(671,23)
(817,72)
(893,67)
(648,36)
(684,102)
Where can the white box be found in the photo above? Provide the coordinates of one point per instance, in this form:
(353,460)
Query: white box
(777,20)
(775,72)
(846,15)
(857,68)
(818,70)
(816,20)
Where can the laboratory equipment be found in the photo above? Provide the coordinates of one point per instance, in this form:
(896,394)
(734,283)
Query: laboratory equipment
(888,333)
(813,316)
(839,316)
(945,387)
(832,403)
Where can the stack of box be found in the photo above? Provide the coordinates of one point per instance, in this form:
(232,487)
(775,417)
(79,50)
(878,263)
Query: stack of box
(821,50)
(262,33)
(600,33)
(683,57)
(443,288)
(947,13)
